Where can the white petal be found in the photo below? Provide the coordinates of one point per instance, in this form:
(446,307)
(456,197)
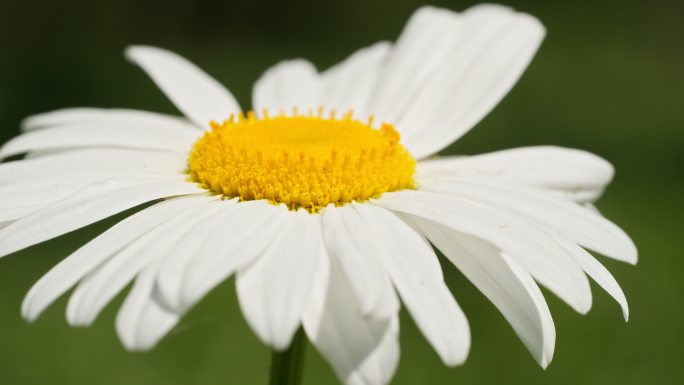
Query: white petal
(240,236)
(104,116)
(199,96)
(596,271)
(361,350)
(449,70)
(419,51)
(482,67)
(287,85)
(347,86)
(275,290)
(13,213)
(88,206)
(98,163)
(142,321)
(59,117)
(576,174)
(100,286)
(535,250)
(502,281)
(193,248)
(103,135)
(415,272)
(381,364)
(571,220)
(351,245)
(74,267)
(566,222)
(18,199)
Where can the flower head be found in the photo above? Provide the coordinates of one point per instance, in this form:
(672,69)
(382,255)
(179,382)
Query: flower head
(325,201)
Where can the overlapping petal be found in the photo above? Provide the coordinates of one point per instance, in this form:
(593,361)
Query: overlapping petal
(84,260)
(276,288)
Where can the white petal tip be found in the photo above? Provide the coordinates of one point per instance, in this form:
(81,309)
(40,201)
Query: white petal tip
(130,342)
(26,312)
(456,356)
(132,52)
(76,319)
(136,346)
(583,308)
(632,256)
(456,360)
(29,317)
(32,306)
(583,304)
(281,345)
(29,314)
(544,363)
(547,356)
(625,310)
(627,251)
(534,22)
(79,322)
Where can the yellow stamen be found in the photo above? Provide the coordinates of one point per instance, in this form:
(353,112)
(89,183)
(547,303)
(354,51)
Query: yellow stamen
(302,161)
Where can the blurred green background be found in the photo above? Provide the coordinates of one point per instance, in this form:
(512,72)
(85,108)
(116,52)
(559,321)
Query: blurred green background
(607,79)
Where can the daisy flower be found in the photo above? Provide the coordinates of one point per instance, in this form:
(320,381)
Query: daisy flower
(326,201)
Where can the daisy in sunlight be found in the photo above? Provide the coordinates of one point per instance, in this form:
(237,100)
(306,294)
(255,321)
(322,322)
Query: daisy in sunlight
(325,200)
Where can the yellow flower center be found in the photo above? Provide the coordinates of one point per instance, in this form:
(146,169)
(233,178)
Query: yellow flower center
(302,161)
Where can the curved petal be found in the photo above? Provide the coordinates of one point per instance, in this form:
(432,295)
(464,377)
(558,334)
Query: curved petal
(361,350)
(535,250)
(288,85)
(104,116)
(420,49)
(97,163)
(414,269)
(381,364)
(18,199)
(276,288)
(502,281)
(575,174)
(238,238)
(566,222)
(91,255)
(595,270)
(569,219)
(142,321)
(351,246)
(449,70)
(347,86)
(169,275)
(95,291)
(200,97)
(102,135)
(88,206)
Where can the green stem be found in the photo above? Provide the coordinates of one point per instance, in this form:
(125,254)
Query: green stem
(286,366)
